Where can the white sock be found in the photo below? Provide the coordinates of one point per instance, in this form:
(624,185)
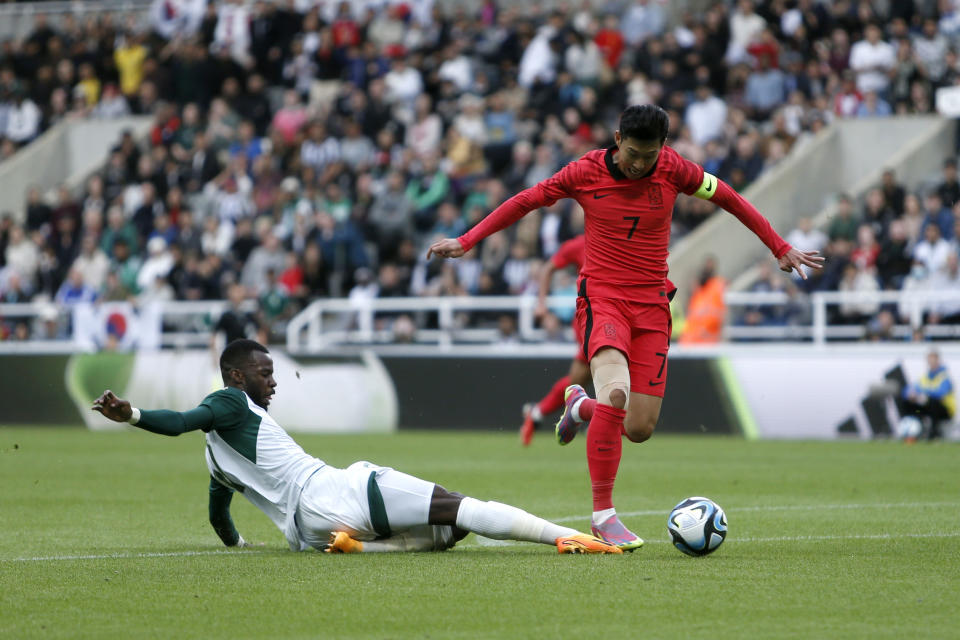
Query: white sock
(599,517)
(425,538)
(503,522)
(575,411)
(535,414)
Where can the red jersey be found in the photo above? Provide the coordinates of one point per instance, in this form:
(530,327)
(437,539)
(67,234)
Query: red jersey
(573,251)
(626,221)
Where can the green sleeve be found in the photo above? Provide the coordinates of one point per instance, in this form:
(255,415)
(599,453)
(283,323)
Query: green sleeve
(173,423)
(229,408)
(220,520)
(437,191)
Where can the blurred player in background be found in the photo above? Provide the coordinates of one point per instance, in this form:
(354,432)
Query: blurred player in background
(364,507)
(623,317)
(569,253)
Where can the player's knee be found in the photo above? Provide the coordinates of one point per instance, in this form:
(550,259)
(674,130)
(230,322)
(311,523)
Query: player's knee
(611,378)
(640,429)
(618,399)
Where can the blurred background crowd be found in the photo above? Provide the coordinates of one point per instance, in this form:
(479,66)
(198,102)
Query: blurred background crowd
(303,151)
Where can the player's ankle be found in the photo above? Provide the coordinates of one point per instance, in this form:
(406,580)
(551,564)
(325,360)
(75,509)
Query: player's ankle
(601,516)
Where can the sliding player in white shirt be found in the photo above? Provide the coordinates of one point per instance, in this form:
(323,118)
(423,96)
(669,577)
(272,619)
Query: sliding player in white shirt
(364,507)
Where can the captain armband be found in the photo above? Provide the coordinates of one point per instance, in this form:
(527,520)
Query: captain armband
(707,188)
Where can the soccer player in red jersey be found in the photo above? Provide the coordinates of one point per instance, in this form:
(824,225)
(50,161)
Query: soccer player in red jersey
(623,317)
(569,253)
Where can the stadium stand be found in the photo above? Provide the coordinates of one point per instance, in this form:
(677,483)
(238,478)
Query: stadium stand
(314,151)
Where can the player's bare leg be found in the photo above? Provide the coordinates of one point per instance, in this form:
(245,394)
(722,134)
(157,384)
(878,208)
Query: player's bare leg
(642,415)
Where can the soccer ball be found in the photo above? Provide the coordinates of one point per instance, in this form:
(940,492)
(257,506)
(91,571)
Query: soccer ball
(697,526)
(910,427)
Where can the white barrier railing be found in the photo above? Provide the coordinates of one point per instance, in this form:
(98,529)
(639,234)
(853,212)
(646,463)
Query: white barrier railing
(449,323)
(325,324)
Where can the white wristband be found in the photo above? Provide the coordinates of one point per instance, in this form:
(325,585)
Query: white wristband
(134,415)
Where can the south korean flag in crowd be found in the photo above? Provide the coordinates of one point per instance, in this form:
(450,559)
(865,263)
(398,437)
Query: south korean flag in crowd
(182,18)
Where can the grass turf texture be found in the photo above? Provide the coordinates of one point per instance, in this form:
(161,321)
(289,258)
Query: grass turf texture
(827,540)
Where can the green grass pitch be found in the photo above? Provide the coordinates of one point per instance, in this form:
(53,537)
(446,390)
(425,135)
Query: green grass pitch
(105,535)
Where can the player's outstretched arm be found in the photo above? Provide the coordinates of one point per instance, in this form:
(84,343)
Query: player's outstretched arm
(725,196)
(164,422)
(542,194)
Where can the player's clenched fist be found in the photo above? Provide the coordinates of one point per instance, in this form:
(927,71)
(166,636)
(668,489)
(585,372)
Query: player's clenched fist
(113,407)
(446,248)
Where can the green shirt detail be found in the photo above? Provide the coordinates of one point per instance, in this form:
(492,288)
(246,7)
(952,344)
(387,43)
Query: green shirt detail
(234,421)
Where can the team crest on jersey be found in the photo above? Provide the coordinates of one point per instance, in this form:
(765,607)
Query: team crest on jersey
(655,195)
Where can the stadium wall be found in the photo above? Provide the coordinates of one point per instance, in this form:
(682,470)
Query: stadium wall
(352,394)
(758,391)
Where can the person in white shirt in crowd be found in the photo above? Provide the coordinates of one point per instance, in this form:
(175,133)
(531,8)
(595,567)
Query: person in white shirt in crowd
(159,262)
(112,103)
(806,237)
(426,132)
(456,66)
(933,250)
(858,280)
(643,19)
(539,62)
(872,59)
(23,119)
(583,58)
(470,123)
(945,308)
(745,27)
(706,116)
(22,254)
(92,262)
(404,83)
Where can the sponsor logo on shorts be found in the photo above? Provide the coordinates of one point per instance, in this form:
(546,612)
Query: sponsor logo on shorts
(609,330)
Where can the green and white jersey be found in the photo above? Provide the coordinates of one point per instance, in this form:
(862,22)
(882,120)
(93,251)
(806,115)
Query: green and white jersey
(249,452)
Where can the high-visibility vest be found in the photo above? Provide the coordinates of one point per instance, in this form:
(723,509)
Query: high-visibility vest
(705,313)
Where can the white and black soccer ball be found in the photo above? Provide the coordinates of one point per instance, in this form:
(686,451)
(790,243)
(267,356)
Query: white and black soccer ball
(697,526)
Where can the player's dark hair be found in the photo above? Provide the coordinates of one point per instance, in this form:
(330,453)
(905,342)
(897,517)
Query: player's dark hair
(237,354)
(645,122)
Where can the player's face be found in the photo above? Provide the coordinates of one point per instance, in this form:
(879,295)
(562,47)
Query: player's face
(258,378)
(635,158)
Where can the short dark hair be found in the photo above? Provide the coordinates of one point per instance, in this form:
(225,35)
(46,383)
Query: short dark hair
(237,353)
(645,122)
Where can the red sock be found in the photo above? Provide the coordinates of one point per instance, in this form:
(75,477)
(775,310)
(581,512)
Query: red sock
(603,453)
(587,407)
(554,398)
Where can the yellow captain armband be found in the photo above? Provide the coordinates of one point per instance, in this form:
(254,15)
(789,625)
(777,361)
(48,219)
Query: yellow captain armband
(707,188)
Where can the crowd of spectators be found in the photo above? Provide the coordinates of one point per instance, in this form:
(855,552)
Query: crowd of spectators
(315,150)
(895,239)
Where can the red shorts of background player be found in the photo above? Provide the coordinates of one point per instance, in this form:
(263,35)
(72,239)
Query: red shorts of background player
(641,331)
(579,356)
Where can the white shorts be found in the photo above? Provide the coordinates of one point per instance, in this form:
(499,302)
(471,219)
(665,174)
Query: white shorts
(340,500)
